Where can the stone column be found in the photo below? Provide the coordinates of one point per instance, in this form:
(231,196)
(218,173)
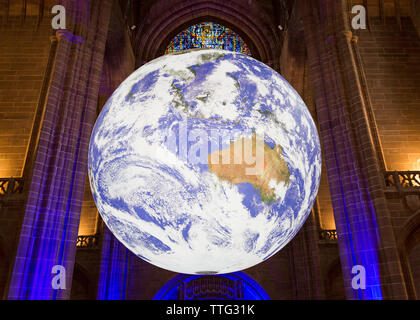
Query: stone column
(55,189)
(115,268)
(119,63)
(365,233)
(303,249)
(305,259)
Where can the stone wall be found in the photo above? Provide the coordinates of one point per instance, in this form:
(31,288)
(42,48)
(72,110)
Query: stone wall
(414,259)
(391,61)
(24,56)
(23,60)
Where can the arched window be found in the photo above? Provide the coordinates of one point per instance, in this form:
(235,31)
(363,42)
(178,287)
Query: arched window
(208,35)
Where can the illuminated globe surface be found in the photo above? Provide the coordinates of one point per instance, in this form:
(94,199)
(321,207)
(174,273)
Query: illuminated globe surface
(175,162)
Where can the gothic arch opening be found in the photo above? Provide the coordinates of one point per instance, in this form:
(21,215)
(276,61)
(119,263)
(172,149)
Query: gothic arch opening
(334,282)
(81,286)
(414,260)
(409,248)
(157,31)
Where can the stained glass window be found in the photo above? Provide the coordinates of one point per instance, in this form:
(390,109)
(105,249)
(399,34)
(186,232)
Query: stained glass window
(208,35)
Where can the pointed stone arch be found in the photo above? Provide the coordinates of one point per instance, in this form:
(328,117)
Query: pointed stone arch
(246,18)
(82,287)
(407,239)
(334,281)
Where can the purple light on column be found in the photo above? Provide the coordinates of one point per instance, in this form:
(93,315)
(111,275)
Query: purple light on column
(113,276)
(363,245)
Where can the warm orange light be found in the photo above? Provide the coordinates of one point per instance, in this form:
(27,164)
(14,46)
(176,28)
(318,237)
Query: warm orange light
(327,221)
(88,220)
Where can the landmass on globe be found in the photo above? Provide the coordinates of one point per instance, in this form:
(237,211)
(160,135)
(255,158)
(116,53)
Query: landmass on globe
(274,168)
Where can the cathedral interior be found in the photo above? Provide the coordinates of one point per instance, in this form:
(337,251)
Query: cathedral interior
(362,87)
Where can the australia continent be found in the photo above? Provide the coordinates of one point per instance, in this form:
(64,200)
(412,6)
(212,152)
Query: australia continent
(263,167)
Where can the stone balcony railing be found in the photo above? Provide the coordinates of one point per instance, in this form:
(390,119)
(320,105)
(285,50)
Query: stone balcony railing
(405,181)
(404,185)
(328,235)
(11,187)
(398,183)
(88,242)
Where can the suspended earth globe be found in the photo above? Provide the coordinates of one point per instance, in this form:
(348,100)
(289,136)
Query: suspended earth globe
(204,162)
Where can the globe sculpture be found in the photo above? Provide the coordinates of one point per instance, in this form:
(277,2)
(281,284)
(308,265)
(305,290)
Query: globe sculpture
(204,162)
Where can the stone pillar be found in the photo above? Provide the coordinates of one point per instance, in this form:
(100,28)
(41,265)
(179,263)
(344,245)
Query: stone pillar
(55,189)
(365,234)
(303,249)
(305,259)
(119,63)
(115,268)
